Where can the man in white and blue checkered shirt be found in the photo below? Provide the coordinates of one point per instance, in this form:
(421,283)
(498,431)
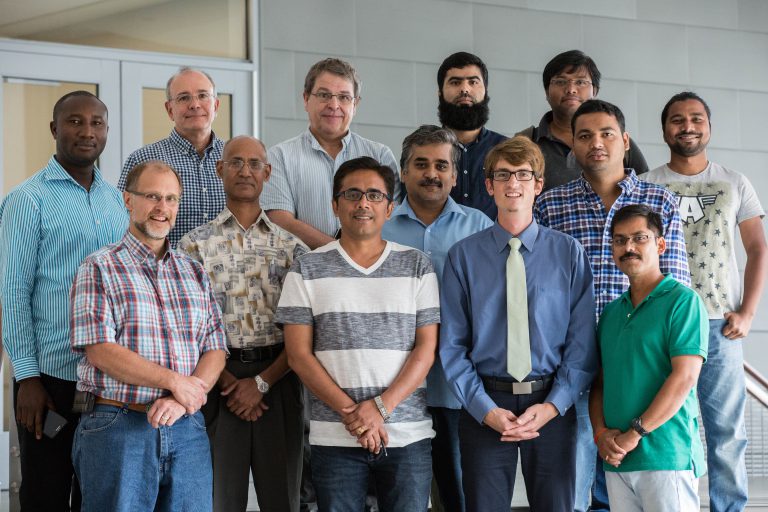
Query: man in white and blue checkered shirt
(192,149)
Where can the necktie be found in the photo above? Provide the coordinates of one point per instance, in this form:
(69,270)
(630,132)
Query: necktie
(518,343)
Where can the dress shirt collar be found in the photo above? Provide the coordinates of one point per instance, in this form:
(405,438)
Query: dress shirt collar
(227,216)
(187,147)
(480,136)
(627,185)
(55,172)
(501,236)
(309,137)
(141,251)
(404,209)
(665,286)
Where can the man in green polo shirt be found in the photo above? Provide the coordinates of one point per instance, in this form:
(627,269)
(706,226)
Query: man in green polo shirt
(643,407)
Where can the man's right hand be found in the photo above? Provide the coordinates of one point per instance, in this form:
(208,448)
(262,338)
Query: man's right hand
(32,401)
(191,392)
(502,420)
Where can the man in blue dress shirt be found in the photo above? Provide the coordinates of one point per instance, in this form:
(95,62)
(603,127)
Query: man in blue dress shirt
(431,221)
(503,415)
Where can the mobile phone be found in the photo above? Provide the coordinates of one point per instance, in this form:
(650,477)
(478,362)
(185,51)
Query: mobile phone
(53,424)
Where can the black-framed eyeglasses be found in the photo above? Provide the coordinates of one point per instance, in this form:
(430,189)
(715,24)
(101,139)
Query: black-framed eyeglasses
(186,99)
(355,194)
(521,175)
(236,164)
(641,239)
(152,197)
(326,97)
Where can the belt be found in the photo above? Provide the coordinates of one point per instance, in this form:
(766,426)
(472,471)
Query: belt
(518,388)
(143,408)
(256,354)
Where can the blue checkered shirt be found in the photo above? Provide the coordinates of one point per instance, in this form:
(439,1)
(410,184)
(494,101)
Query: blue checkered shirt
(575,209)
(203,197)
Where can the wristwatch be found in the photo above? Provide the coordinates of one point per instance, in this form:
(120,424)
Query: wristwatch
(261,384)
(637,426)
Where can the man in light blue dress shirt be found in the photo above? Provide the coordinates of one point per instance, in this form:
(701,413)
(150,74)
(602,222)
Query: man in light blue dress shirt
(503,415)
(431,221)
(48,225)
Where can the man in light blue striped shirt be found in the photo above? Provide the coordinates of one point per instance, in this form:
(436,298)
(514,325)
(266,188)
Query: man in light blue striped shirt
(48,225)
(297,196)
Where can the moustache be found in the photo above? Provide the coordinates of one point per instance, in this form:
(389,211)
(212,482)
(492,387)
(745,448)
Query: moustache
(427,182)
(698,134)
(628,255)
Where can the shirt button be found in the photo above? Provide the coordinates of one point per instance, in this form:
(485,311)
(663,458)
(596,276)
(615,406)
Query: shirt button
(98,222)
(205,215)
(629,315)
(204,189)
(465,171)
(466,195)
(429,252)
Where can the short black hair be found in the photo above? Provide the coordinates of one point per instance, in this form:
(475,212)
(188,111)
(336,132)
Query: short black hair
(60,102)
(364,163)
(684,96)
(594,106)
(568,62)
(630,211)
(461,60)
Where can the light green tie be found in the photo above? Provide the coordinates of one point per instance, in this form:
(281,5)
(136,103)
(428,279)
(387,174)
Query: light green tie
(518,343)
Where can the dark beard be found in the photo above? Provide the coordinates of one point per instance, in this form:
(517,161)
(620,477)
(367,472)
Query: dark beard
(463,118)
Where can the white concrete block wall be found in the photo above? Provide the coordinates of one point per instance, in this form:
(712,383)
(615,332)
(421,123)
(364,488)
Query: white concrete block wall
(647,50)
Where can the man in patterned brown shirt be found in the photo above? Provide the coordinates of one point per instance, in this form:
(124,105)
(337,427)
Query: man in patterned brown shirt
(254,413)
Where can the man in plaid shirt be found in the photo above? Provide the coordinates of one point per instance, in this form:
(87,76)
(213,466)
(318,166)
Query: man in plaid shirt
(584,209)
(146,319)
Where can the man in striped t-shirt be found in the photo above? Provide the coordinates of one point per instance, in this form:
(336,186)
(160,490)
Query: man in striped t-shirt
(360,316)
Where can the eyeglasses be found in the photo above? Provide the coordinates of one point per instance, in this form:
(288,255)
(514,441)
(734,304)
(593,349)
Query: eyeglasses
(237,164)
(171,199)
(186,99)
(372,195)
(521,175)
(621,241)
(326,97)
(580,83)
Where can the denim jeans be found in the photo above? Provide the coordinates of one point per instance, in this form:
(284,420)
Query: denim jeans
(722,397)
(446,459)
(659,491)
(590,478)
(402,477)
(125,465)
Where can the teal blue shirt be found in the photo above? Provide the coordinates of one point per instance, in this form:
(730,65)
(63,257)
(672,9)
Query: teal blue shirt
(48,225)
(455,222)
(637,345)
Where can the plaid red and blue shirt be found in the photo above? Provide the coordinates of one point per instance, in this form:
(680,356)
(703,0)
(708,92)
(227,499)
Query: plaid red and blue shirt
(163,310)
(577,210)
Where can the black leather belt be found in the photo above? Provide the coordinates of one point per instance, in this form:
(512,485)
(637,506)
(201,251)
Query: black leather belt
(518,388)
(256,354)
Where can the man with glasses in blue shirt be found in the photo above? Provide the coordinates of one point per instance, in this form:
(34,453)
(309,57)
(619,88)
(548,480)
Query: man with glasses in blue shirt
(517,342)
(192,149)
(48,225)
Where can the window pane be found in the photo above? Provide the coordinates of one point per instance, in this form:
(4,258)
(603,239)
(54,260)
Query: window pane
(27,113)
(195,27)
(157,125)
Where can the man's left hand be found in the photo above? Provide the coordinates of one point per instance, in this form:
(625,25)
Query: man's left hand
(245,399)
(164,412)
(532,420)
(362,417)
(738,325)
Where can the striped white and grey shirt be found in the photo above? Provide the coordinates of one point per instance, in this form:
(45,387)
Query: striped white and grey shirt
(48,225)
(364,325)
(302,176)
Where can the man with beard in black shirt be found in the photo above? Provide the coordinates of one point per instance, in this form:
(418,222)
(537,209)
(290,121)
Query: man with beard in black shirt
(462,82)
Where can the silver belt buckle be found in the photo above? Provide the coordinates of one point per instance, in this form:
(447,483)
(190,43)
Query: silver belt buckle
(522,388)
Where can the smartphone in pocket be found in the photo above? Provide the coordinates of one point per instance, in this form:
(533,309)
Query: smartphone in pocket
(53,424)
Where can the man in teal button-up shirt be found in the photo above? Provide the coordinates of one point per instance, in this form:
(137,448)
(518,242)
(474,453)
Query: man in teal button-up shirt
(48,225)
(431,221)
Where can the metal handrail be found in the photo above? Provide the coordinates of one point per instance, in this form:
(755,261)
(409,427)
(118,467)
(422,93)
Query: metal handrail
(757,384)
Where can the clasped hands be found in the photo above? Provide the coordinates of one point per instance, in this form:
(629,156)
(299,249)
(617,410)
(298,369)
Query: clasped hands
(520,428)
(188,394)
(364,421)
(613,445)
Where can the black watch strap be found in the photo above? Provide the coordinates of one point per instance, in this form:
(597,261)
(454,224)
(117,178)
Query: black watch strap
(637,426)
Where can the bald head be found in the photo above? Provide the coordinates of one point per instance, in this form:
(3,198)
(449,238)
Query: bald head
(235,143)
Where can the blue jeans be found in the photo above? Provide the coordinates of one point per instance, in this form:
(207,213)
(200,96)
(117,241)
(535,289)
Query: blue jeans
(590,478)
(402,477)
(446,459)
(722,397)
(125,465)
